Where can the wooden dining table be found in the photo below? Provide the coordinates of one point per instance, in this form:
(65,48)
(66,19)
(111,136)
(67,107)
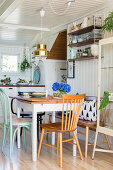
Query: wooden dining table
(36,105)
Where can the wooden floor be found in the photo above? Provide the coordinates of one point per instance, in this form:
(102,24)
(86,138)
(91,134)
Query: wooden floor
(21,159)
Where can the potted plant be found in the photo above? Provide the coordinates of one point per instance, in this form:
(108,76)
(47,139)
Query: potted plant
(6,80)
(61,88)
(25,64)
(108,23)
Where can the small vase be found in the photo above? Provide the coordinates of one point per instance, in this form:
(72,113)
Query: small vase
(5,81)
(58,94)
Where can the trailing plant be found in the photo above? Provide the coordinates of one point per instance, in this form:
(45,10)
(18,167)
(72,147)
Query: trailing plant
(105,100)
(108,23)
(25,64)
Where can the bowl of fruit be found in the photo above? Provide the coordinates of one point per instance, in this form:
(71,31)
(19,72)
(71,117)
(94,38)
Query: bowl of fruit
(22,82)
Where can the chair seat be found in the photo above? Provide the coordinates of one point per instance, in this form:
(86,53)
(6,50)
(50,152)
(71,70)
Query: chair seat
(52,126)
(86,123)
(21,121)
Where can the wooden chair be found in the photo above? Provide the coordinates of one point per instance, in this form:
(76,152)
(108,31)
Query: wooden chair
(73,106)
(28,114)
(88,125)
(9,123)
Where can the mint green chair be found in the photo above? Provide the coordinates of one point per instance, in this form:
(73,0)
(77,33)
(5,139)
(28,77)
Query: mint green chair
(9,123)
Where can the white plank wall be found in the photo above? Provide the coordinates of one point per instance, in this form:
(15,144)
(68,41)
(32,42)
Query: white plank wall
(85,80)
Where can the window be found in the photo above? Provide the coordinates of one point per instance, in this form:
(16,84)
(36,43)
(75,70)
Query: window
(9,63)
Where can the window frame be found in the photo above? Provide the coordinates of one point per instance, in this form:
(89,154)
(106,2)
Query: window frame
(10,72)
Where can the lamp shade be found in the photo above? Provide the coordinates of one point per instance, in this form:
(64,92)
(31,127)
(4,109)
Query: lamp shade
(41,50)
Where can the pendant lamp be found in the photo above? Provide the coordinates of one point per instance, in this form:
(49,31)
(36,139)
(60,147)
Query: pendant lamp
(41,50)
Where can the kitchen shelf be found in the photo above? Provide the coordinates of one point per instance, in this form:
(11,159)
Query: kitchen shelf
(84,30)
(87,42)
(63,69)
(84,58)
(3,85)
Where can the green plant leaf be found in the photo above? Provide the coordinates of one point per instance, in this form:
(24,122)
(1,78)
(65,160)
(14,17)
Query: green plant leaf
(105,100)
(108,23)
(25,65)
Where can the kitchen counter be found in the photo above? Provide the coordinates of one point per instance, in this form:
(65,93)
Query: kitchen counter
(1,85)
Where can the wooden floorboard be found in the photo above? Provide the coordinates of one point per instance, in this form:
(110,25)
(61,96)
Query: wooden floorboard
(21,159)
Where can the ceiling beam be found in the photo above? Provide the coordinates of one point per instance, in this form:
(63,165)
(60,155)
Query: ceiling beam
(15,26)
(7,7)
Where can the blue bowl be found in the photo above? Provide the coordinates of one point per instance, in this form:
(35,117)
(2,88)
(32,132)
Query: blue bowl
(22,93)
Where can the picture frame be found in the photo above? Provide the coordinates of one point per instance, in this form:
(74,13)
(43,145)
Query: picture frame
(70,69)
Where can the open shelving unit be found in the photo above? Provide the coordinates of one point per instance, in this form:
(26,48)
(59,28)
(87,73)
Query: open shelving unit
(85,30)
(63,69)
(84,58)
(85,42)
(82,43)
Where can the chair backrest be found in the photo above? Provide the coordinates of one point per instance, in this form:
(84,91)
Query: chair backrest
(6,107)
(73,106)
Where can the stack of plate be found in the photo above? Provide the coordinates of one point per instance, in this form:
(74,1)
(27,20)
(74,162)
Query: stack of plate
(24,93)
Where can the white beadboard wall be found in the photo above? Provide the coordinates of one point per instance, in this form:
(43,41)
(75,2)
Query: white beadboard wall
(53,73)
(85,80)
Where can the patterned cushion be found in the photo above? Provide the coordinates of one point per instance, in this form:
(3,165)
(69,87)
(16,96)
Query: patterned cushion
(89,111)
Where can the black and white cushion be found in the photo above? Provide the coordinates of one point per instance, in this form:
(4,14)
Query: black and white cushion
(89,111)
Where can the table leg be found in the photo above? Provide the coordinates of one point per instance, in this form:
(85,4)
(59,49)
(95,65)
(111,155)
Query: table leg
(53,133)
(38,130)
(74,147)
(86,142)
(34,134)
(18,133)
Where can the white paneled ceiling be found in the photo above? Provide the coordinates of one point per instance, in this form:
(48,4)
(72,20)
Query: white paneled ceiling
(16,36)
(26,13)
